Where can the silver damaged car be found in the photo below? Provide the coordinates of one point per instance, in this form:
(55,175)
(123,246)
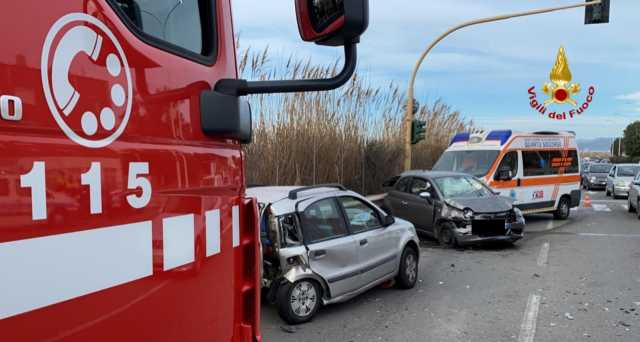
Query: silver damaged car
(325,244)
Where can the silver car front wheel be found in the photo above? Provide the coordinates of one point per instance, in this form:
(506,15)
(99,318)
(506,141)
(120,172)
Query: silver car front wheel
(298,302)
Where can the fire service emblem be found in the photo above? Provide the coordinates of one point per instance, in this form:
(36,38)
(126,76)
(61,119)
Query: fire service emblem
(560,91)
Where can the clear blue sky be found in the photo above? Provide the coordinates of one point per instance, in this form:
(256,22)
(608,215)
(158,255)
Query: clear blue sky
(483,71)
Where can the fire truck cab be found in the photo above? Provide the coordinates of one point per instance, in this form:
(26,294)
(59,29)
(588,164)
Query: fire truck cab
(123,214)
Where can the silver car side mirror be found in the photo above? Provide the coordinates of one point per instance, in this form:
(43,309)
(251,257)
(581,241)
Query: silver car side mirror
(388,220)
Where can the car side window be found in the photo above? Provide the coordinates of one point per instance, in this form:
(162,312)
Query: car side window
(360,215)
(510,160)
(403,184)
(186,24)
(422,185)
(322,221)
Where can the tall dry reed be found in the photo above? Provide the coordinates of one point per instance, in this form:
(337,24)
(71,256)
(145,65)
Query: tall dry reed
(351,135)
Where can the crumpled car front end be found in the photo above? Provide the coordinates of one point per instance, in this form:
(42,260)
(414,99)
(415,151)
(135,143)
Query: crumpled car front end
(473,228)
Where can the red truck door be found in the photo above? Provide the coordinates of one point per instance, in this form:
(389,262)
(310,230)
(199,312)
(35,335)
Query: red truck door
(120,220)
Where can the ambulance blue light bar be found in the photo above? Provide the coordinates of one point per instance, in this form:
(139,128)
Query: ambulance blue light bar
(460,137)
(503,136)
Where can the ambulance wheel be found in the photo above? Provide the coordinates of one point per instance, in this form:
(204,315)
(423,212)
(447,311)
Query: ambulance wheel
(563,210)
(299,302)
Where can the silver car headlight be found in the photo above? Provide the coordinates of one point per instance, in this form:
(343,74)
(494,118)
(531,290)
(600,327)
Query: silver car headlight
(593,178)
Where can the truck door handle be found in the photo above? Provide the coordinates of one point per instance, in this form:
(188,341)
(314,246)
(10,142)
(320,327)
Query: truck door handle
(319,254)
(404,202)
(364,242)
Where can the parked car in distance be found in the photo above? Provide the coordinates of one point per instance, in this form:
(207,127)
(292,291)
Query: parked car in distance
(455,208)
(619,179)
(595,176)
(325,244)
(634,196)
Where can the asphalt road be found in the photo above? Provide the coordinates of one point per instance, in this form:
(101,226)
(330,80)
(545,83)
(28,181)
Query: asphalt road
(574,280)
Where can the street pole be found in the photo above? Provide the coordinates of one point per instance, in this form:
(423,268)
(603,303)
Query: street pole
(408,116)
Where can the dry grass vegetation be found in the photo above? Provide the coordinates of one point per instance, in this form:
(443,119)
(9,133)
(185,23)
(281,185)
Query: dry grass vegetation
(351,135)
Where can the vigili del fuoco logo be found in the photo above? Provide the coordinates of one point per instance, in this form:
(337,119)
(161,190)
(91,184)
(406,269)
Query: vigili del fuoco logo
(561,91)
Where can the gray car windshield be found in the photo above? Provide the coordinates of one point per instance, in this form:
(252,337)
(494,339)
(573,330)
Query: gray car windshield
(600,168)
(475,163)
(462,187)
(628,171)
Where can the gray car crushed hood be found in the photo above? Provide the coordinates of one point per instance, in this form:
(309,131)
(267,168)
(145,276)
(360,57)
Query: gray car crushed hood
(482,205)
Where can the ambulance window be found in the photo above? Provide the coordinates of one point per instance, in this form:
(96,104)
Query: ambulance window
(510,160)
(537,163)
(573,160)
(184,27)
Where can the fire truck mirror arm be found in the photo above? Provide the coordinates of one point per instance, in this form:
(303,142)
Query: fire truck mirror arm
(235,87)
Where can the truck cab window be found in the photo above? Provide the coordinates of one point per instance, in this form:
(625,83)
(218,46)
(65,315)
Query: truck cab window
(181,23)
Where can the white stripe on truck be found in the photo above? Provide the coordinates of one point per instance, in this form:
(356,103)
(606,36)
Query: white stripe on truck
(43,271)
(178,236)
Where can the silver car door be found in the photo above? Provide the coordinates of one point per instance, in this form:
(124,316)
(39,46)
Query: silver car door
(377,245)
(332,250)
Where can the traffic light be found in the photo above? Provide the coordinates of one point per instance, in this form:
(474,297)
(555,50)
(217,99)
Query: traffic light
(417,131)
(597,14)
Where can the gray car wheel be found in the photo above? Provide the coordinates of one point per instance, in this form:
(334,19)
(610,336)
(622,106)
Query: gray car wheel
(446,236)
(299,302)
(630,206)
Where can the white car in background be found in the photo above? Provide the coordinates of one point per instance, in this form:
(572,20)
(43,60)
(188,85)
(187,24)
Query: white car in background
(620,178)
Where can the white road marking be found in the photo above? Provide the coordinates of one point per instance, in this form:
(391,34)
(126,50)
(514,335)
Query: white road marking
(609,235)
(528,327)
(56,268)
(550,225)
(178,236)
(601,207)
(625,206)
(544,254)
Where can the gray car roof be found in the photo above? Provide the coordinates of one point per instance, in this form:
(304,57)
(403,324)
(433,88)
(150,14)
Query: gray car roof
(278,196)
(432,174)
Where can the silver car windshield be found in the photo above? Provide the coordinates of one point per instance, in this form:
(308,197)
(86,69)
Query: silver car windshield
(628,171)
(462,187)
(475,163)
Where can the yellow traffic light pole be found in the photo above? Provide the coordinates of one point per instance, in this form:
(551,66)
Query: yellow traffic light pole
(408,116)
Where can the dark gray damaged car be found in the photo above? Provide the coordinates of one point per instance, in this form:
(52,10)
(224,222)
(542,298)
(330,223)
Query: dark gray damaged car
(455,208)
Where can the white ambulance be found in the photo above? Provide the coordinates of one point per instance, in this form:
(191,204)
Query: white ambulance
(540,170)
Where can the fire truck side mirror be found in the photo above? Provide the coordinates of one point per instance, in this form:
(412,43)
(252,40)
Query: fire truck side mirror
(225,116)
(332,22)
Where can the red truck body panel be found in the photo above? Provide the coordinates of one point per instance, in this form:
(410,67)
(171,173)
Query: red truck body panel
(141,235)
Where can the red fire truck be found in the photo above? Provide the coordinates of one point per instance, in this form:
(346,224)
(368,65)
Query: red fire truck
(122,207)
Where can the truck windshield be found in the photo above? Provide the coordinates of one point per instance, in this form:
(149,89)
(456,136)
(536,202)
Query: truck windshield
(476,163)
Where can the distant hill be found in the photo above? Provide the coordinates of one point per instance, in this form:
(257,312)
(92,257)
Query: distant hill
(595,144)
